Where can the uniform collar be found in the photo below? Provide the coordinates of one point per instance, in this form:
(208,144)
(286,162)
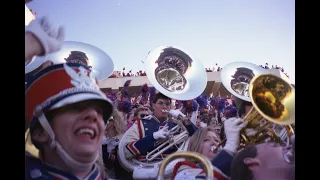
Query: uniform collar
(156,119)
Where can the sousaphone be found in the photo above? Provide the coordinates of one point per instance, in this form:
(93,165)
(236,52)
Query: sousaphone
(100,62)
(178,75)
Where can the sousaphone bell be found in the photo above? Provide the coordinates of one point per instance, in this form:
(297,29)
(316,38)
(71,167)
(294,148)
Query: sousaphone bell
(78,52)
(175,73)
(236,77)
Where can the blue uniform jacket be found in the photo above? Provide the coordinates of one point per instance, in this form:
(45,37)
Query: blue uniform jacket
(140,139)
(36,170)
(223,162)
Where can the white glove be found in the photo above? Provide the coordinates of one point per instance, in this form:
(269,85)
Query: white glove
(176,113)
(50,38)
(161,134)
(232,127)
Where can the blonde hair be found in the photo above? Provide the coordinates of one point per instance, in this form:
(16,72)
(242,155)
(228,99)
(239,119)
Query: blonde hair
(119,122)
(196,140)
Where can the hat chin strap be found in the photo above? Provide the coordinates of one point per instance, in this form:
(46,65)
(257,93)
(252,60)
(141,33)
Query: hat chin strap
(66,158)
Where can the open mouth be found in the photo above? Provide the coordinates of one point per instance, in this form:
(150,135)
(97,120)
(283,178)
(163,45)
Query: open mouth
(86,132)
(164,111)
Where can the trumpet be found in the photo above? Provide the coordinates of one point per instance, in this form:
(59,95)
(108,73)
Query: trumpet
(207,164)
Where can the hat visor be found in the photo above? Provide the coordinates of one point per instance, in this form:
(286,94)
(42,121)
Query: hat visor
(76,98)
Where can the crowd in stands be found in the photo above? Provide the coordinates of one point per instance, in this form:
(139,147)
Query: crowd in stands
(123,73)
(266,66)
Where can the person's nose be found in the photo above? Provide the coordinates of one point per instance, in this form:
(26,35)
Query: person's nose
(166,105)
(92,115)
(212,142)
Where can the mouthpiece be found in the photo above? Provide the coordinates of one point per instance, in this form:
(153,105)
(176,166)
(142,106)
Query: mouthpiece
(214,148)
(165,111)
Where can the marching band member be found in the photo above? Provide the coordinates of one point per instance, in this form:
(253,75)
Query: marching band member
(204,141)
(144,133)
(115,128)
(263,162)
(191,108)
(66,121)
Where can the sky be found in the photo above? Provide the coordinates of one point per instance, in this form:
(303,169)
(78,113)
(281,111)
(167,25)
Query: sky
(213,31)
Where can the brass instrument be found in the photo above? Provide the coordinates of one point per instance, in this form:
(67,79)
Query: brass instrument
(177,75)
(148,170)
(236,77)
(205,162)
(177,136)
(99,61)
(272,98)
